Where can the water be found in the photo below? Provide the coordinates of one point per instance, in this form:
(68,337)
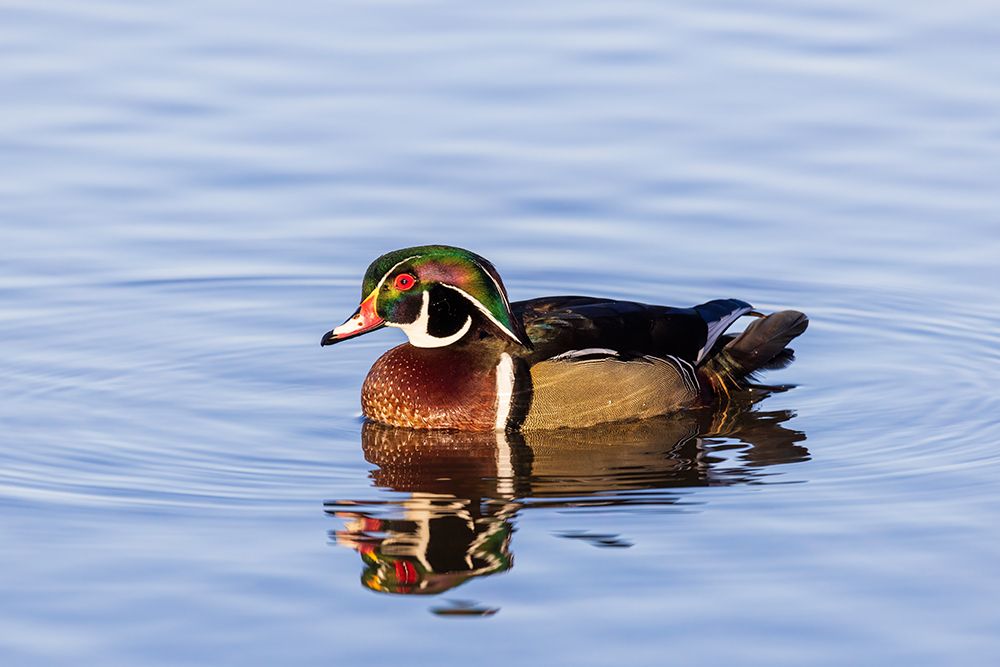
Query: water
(190,193)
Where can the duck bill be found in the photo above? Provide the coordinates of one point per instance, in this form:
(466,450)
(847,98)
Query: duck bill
(363,320)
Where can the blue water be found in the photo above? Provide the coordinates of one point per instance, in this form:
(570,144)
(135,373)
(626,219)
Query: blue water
(189,196)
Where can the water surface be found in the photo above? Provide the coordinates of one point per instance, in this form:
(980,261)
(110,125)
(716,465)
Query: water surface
(190,194)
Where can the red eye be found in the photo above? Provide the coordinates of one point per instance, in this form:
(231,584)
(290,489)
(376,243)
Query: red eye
(404,281)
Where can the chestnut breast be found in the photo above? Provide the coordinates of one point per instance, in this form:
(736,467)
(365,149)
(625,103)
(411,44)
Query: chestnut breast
(442,387)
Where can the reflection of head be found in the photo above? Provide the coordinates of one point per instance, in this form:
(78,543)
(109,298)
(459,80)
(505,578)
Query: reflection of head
(465,487)
(435,546)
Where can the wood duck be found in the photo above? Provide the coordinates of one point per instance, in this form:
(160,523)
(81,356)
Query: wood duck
(477,362)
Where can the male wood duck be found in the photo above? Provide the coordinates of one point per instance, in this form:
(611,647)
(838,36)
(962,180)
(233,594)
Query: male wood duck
(477,362)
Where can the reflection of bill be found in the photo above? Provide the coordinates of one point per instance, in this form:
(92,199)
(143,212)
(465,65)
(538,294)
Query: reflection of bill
(466,487)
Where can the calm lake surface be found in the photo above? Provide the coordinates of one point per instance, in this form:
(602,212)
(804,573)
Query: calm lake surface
(191,192)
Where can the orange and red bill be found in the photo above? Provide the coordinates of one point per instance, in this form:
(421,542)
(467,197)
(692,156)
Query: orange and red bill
(363,320)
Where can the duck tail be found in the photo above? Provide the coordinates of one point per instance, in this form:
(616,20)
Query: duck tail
(760,347)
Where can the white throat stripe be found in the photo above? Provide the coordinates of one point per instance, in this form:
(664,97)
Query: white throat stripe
(417,332)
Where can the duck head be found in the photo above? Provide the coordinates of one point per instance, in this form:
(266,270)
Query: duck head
(436,295)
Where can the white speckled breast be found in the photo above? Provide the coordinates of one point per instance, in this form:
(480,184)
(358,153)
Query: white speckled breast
(432,388)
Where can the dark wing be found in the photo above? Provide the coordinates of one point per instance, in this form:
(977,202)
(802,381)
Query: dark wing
(563,323)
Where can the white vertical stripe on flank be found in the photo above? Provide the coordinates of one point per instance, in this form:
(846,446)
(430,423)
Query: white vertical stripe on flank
(505,390)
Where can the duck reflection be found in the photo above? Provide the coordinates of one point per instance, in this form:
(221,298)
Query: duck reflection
(463,489)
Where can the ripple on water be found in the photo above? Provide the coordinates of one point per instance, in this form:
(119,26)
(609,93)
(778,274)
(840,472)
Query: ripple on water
(144,398)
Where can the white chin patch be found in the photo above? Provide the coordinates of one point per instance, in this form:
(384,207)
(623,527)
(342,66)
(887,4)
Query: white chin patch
(416,331)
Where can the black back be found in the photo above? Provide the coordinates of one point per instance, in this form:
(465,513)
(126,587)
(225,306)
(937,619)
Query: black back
(562,323)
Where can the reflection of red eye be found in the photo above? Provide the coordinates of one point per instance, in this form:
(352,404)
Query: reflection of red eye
(405,572)
(404,281)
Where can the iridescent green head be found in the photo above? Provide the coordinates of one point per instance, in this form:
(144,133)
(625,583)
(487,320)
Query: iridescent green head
(436,294)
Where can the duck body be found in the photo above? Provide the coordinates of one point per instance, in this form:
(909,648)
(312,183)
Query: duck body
(477,362)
